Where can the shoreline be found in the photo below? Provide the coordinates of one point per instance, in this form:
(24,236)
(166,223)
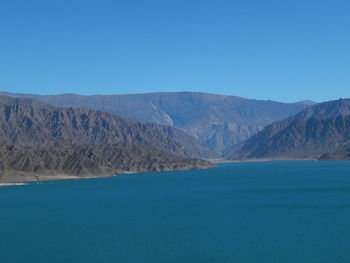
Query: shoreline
(12,184)
(39,179)
(32,179)
(261,160)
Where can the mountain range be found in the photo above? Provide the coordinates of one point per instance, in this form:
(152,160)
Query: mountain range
(75,136)
(35,136)
(28,122)
(217,121)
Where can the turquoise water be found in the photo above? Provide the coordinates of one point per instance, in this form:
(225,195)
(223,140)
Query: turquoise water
(241,212)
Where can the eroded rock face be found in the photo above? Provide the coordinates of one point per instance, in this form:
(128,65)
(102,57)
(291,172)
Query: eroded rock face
(312,132)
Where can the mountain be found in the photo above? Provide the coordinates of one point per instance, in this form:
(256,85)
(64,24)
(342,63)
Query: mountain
(28,122)
(217,121)
(40,142)
(308,134)
(62,160)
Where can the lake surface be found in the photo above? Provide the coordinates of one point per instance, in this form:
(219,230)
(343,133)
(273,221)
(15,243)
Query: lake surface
(238,212)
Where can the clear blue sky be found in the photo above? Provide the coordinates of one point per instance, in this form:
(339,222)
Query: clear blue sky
(280,50)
